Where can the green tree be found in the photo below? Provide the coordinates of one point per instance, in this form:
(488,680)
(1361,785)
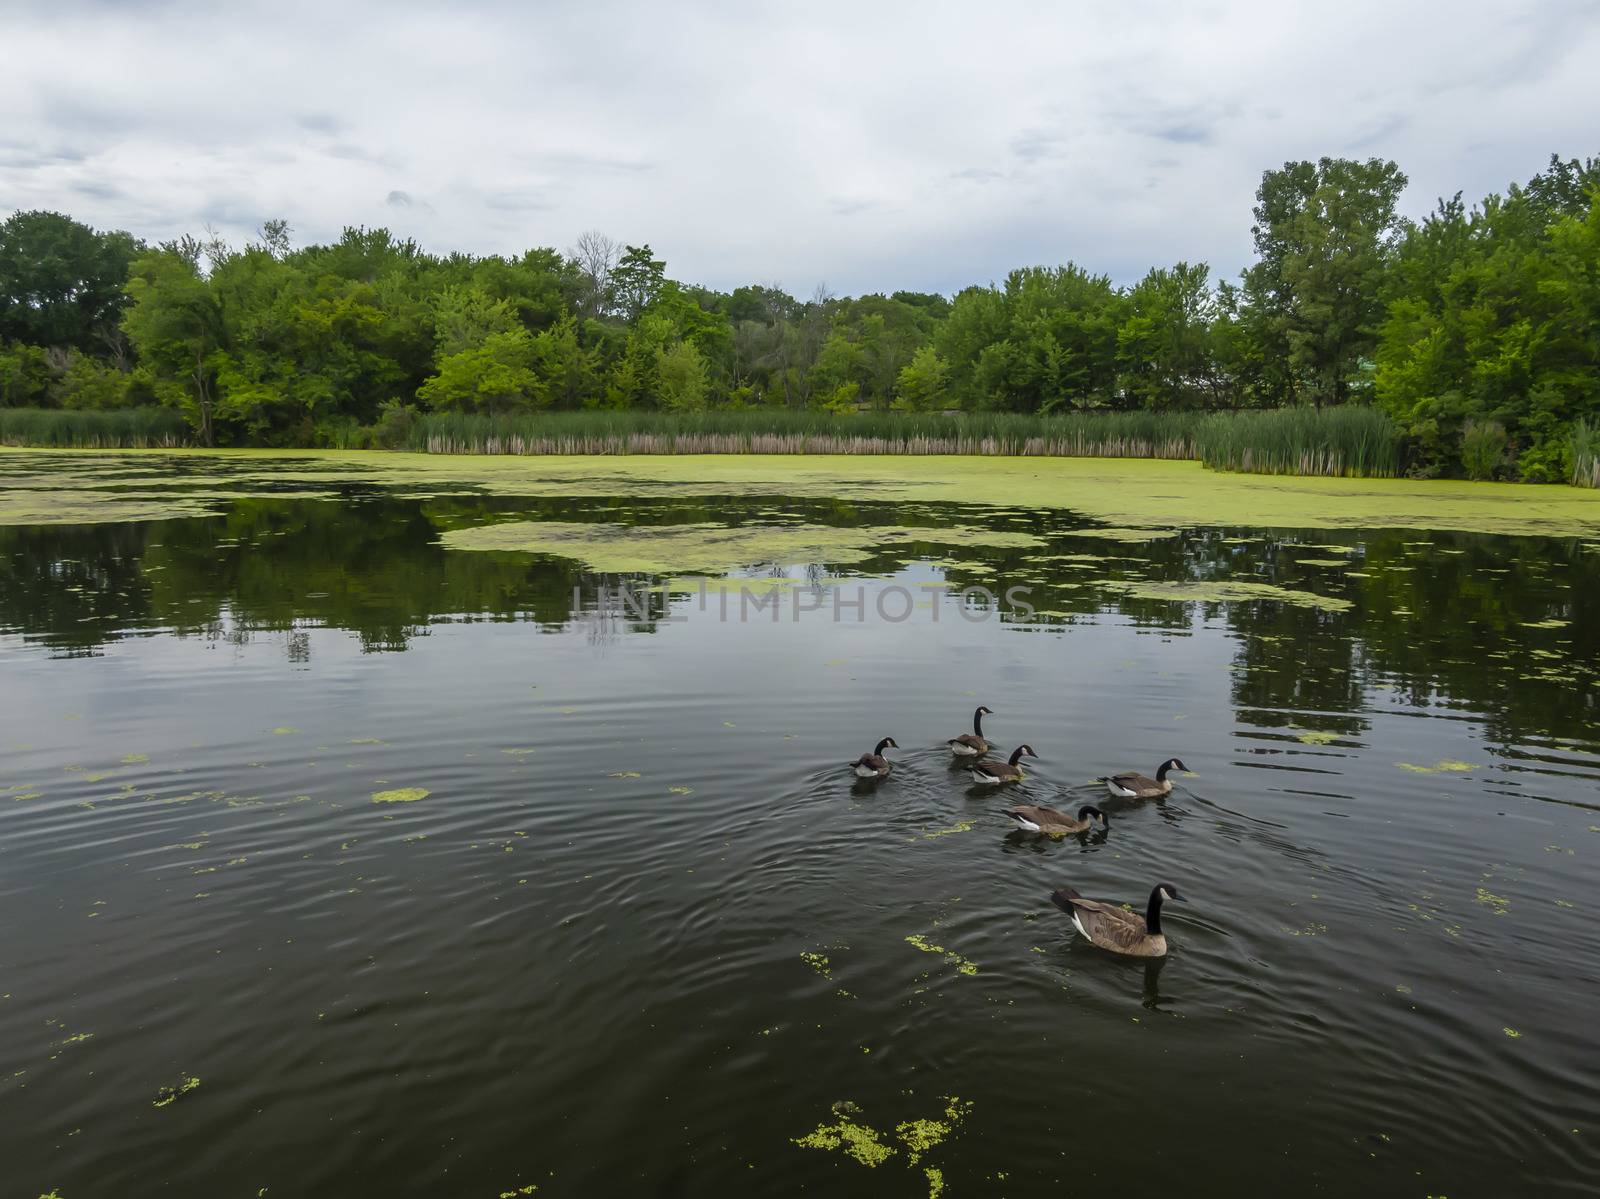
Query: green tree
(496,376)
(1324,233)
(681,378)
(635,281)
(61,283)
(1493,319)
(175,324)
(1165,353)
(921,384)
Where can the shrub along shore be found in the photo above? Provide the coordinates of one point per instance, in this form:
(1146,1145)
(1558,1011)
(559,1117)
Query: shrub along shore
(1351,441)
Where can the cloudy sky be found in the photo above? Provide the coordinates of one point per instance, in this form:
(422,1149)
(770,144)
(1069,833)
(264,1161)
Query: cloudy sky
(871,146)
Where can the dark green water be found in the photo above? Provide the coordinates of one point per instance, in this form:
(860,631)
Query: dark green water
(645,932)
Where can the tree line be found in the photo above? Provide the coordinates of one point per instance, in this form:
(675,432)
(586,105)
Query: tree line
(1476,329)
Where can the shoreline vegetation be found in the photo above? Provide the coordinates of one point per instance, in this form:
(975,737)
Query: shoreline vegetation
(1357,343)
(1352,441)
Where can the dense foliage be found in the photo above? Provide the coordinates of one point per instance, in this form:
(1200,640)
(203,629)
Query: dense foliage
(1476,330)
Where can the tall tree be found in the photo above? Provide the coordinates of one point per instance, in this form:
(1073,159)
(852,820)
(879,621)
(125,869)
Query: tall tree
(636,280)
(61,283)
(1324,232)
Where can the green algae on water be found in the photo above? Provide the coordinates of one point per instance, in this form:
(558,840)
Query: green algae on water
(170,1095)
(962,965)
(1127,535)
(1315,736)
(868,1146)
(709,548)
(1225,591)
(401,795)
(850,1138)
(1120,492)
(818,962)
(1444,767)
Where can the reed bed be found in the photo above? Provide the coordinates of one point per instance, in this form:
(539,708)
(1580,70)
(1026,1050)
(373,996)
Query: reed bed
(1102,435)
(93,429)
(1585,454)
(1351,441)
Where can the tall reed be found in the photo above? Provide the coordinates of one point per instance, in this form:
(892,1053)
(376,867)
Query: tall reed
(1585,454)
(94,429)
(1351,440)
(1088,434)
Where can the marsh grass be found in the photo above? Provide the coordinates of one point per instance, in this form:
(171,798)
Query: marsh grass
(70,428)
(1585,454)
(1094,435)
(1350,441)
(1345,441)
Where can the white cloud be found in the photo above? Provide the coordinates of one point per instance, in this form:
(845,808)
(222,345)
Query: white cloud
(879,146)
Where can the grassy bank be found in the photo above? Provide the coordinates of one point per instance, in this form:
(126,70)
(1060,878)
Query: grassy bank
(76,429)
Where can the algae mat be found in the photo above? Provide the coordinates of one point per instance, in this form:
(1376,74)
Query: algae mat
(709,548)
(1123,493)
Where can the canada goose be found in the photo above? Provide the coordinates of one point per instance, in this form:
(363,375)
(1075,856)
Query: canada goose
(1113,927)
(994,773)
(1057,824)
(1137,786)
(972,745)
(875,765)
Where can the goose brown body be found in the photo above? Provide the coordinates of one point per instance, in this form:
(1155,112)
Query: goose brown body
(1036,819)
(1112,926)
(1134,785)
(991,773)
(973,744)
(875,765)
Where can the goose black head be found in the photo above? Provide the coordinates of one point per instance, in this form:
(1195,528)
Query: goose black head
(1089,810)
(887,741)
(986,711)
(1168,891)
(1176,764)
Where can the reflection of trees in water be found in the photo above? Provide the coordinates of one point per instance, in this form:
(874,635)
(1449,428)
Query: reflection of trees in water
(1442,616)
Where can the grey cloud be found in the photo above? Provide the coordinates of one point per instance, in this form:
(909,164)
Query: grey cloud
(1051,132)
(519,200)
(1185,133)
(319,122)
(1034,144)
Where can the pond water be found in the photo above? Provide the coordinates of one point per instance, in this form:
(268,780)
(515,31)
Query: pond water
(348,849)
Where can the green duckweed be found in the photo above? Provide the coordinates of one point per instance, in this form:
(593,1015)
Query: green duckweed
(962,965)
(401,795)
(170,1095)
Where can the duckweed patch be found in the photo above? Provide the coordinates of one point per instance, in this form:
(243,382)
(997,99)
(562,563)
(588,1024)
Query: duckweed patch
(871,1147)
(1498,904)
(962,965)
(960,826)
(1122,493)
(1447,766)
(401,795)
(818,961)
(1225,591)
(167,1096)
(1127,535)
(708,548)
(1315,737)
